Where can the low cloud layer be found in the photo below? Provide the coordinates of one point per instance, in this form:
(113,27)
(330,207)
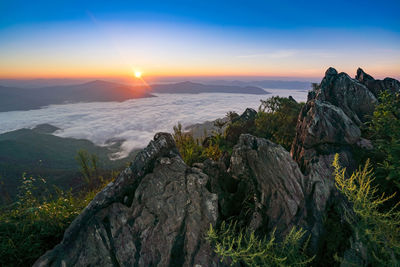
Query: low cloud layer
(137,120)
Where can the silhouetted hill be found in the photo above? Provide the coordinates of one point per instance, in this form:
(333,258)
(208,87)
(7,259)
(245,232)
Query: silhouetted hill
(12,98)
(272,84)
(39,83)
(196,88)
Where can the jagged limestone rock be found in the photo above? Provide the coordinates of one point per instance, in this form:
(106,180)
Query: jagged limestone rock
(331,119)
(330,123)
(377,86)
(267,174)
(156,213)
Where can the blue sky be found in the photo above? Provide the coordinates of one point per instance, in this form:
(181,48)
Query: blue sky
(248,14)
(263,38)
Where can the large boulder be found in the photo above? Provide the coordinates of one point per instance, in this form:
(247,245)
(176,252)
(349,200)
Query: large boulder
(270,185)
(157,212)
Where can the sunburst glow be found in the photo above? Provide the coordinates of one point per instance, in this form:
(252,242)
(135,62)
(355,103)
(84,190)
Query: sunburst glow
(138,74)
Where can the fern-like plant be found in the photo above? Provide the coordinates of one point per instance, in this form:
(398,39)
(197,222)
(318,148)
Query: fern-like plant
(377,229)
(243,246)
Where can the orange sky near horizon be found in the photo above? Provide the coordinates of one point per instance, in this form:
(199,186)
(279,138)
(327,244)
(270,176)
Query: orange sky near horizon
(95,39)
(108,50)
(74,73)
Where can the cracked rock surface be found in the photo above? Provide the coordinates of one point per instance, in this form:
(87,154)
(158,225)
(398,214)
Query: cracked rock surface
(155,213)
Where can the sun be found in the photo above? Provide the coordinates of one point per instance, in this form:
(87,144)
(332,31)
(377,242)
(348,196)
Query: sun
(138,74)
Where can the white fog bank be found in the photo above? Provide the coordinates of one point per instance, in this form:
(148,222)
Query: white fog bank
(137,120)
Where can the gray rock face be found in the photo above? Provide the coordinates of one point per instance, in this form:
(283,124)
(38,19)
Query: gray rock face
(377,86)
(330,123)
(352,97)
(247,115)
(268,175)
(155,213)
(158,211)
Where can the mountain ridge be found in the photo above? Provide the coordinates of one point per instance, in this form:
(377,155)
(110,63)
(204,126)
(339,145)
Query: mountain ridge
(13,99)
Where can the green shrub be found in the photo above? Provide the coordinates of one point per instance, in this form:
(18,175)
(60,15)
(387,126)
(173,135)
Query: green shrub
(189,148)
(276,120)
(88,164)
(36,222)
(243,246)
(237,128)
(384,131)
(335,240)
(377,229)
(212,151)
(33,225)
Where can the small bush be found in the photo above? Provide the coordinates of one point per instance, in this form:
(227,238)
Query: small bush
(237,128)
(212,151)
(276,120)
(36,222)
(384,131)
(243,246)
(189,148)
(89,168)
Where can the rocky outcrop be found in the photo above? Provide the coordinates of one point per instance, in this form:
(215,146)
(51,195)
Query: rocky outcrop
(155,213)
(158,210)
(248,115)
(330,123)
(377,86)
(270,185)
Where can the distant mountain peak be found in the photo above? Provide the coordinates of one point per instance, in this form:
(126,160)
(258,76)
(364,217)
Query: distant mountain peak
(101,82)
(189,83)
(45,128)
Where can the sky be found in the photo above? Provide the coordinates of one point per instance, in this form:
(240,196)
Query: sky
(74,39)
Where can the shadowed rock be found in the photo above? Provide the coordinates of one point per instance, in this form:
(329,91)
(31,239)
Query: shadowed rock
(330,123)
(156,213)
(377,86)
(271,182)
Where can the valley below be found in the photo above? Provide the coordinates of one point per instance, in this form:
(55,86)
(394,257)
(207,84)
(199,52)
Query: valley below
(113,131)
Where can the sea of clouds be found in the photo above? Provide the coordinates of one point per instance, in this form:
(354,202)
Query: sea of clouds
(135,121)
